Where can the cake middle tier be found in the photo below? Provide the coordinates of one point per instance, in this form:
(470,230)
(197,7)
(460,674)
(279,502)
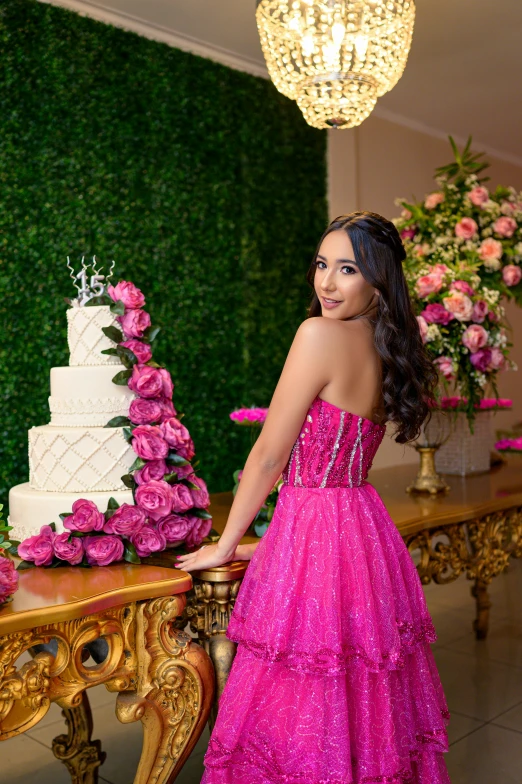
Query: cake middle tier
(78,459)
(87,395)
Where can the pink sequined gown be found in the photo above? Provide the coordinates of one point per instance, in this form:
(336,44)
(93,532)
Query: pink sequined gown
(334,680)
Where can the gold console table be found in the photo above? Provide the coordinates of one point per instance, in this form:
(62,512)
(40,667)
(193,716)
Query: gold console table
(162,677)
(474,530)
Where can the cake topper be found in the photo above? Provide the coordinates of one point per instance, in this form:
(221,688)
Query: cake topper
(87,290)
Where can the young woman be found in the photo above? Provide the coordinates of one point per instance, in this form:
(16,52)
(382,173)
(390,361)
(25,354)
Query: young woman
(334,680)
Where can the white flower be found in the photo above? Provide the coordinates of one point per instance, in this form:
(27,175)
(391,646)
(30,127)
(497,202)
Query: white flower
(492,265)
(491,206)
(487,232)
(475,281)
(490,295)
(433,333)
(481,379)
(514,365)
(518,248)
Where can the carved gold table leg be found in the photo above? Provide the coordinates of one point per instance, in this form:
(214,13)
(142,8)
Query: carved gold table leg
(481,623)
(174,691)
(222,652)
(76,750)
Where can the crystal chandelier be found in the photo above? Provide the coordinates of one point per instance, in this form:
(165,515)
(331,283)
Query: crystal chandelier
(335,57)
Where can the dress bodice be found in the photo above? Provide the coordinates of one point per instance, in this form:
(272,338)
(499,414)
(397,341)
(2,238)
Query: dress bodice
(333,449)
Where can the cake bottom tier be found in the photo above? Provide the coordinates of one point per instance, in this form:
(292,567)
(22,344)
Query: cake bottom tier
(29,509)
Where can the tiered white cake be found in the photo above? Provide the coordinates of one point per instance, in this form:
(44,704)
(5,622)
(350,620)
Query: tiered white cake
(75,456)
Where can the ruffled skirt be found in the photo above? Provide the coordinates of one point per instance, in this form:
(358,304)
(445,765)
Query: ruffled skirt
(334,680)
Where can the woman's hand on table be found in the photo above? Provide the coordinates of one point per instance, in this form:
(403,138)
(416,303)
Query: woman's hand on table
(210,556)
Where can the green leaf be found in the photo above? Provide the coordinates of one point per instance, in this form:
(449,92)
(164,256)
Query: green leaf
(112,503)
(197,512)
(117,307)
(113,333)
(128,481)
(190,484)
(63,515)
(52,526)
(130,554)
(174,459)
(23,565)
(127,434)
(122,378)
(127,357)
(119,421)
(102,299)
(138,463)
(150,334)
(172,478)
(111,352)
(153,364)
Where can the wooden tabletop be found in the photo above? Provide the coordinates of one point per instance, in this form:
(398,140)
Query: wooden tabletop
(50,595)
(468,497)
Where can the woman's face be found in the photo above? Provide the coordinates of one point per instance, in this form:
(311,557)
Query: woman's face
(337,277)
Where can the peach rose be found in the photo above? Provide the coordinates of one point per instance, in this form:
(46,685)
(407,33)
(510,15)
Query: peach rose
(433,199)
(459,304)
(498,360)
(445,366)
(490,249)
(478,195)
(474,337)
(423,327)
(505,226)
(428,284)
(466,228)
(511,274)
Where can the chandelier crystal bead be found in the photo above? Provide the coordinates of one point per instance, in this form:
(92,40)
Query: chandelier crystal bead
(337,57)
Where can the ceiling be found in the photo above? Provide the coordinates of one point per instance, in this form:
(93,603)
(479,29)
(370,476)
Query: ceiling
(464,72)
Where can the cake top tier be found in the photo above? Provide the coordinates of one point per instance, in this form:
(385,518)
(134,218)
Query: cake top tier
(86,338)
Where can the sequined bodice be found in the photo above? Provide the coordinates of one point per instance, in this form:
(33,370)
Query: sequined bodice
(334,448)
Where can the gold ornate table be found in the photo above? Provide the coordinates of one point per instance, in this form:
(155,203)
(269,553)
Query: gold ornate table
(162,677)
(472,530)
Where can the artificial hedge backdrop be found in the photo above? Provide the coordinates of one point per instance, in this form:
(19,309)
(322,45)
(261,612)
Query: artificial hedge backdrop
(203,183)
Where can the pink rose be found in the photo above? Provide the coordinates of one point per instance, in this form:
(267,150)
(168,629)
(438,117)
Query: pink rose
(492,316)
(466,228)
(86,517)
(480,311)
(433,199)
(155,498)
(439,268)
(178,437)
(142,351)
(462,285)
(459,304)
(184,471)
(428,284)
(144,412)
(435,313)
(148,540)
(199,529)
(497,360)
(478,195)
(481,359)
(8,578)
(168,386)
(508,207)
(126,521)
(103,550)
(167,408)
(146,381)
(38,548)
(134,323)
(174,528)
(128,293)
(409,233)
(474,337)
(511,275)
(200,497)
(181,498)
(154,469)
(423,327)
(490,249)
(148,442)
(405,214)
(70,551)
(445,366)
(505,226)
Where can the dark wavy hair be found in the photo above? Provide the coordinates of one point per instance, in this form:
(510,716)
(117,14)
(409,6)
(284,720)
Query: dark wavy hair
(409,376)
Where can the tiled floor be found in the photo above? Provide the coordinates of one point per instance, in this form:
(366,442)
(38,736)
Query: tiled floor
(482,681)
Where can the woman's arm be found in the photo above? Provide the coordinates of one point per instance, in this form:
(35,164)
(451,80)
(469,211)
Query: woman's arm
(305,373)
(244,552)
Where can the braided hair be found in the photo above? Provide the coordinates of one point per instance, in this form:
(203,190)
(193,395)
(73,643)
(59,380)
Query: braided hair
(409,376)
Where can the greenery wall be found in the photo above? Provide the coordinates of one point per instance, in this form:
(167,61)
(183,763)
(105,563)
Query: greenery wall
(203,183)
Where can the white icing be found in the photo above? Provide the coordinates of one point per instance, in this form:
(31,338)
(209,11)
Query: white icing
(87,395)
(30,509)
(85,336)
(78,459)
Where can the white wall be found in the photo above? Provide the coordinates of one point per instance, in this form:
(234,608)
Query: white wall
(368,167)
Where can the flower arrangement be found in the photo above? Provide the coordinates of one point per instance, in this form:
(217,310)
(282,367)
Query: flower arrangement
(510,440)
(8,575)
(458,403)
(170,502)
(464,254)
(254,418)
